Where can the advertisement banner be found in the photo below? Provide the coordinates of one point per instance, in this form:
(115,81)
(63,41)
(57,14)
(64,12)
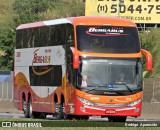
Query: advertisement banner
(139,11)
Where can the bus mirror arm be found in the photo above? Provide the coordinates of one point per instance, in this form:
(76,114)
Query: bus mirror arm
(148,59)
(75,58)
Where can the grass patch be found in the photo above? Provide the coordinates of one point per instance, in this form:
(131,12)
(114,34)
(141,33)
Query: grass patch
(68,125)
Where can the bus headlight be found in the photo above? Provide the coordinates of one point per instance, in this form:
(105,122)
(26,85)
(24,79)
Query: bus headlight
(84,101)
(133,103)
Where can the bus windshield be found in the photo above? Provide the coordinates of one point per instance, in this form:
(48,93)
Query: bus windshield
(110,74)
(107,39)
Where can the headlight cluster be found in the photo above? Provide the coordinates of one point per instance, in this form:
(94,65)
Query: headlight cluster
(133,103)
(84,101)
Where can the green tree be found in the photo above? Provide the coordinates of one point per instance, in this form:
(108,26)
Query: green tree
(65,8)
(30,10)
(7,42)
(6,15)
(38,10)
(6,34)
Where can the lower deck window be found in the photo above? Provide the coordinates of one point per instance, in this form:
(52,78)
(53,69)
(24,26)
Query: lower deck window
(45,75)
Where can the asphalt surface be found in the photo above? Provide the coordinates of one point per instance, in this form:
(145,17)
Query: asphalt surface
(92,118)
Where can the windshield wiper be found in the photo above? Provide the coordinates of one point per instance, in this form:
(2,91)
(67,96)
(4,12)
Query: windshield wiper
(95,88)
(126,86)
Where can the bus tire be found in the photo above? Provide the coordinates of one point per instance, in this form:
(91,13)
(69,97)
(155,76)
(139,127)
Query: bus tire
(117,118)
(27,108)
(59,111)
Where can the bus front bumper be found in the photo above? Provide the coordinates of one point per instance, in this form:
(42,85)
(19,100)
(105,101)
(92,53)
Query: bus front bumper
(83,109)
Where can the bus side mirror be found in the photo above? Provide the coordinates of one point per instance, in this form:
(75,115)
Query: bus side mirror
(75,58)
(148,59)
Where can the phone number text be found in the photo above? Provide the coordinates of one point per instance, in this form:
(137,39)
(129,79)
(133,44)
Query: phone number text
(116,8)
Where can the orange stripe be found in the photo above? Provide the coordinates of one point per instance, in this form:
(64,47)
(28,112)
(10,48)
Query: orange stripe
(133,55)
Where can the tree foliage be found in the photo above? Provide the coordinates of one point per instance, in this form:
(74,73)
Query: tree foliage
(30,10)
(7,34)
(6,15)
(7,42)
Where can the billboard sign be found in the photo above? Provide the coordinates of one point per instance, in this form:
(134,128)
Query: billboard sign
(139,11)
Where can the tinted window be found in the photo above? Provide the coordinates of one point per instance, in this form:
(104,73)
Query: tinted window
(51,78)
(19,39)
(24,38)
(108,39)
(61,34)
(53,36)
(40,36)
(27,38)
(69,39)
(45,36)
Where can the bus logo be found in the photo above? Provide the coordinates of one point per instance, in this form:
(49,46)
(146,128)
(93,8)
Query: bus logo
(97,31)
(40,59)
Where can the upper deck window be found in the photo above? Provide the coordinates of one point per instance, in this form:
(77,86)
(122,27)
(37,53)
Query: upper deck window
(108,39)
(61,34)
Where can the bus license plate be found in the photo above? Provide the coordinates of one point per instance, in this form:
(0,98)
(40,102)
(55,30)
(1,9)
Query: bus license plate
(110,111)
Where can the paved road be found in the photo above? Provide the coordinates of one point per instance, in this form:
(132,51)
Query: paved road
(49,117)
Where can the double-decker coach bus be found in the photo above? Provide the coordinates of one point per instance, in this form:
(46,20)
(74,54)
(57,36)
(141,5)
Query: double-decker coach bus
(79,67)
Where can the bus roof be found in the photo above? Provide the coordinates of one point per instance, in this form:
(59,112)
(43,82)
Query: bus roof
(82,20)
